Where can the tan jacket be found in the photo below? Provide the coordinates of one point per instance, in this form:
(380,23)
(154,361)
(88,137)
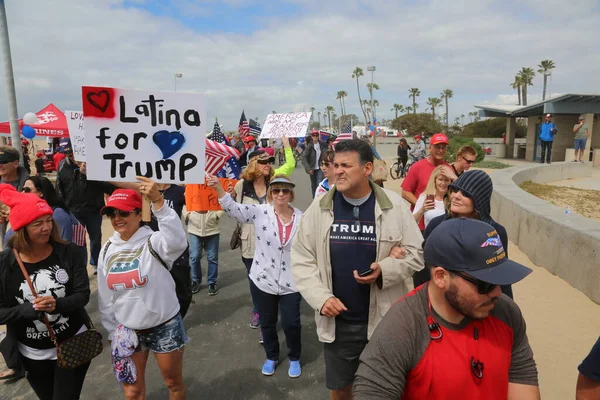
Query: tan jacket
(203,224)
(247,234)
(311,266)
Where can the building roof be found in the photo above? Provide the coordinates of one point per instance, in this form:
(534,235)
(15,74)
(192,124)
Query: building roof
(570,103)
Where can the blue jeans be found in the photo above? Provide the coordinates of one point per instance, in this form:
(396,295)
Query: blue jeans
(93,224)
(248,263)
(289,307)
(212,257)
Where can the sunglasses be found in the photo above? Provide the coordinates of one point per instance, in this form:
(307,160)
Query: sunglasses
(482,287)
(264,162)
(470,162)
(123,214)
(316,135)
(325,164)
(277,191)
(356,215)
(455,190)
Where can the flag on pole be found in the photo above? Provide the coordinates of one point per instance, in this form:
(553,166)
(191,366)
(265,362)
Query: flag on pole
(217,135)
(231,169)
(217,155)
(346,133)
(243,127)
(254,128)
(324,136)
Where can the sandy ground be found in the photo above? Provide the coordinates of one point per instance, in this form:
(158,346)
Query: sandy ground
(562,324)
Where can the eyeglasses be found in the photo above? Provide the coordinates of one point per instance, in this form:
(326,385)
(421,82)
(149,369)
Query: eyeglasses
(482,287)
(356,214)
(325,164)
(284,191)
(123,214)
(264,162)
(470,162)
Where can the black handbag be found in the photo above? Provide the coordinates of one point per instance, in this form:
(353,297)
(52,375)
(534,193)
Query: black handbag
(76,350)
(236,236)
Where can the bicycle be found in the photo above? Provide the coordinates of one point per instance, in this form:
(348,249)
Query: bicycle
(396,170)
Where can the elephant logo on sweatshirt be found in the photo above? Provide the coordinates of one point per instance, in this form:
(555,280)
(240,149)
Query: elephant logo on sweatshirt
(124,270)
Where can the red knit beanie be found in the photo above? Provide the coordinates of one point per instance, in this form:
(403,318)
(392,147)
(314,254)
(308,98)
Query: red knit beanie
(24,207)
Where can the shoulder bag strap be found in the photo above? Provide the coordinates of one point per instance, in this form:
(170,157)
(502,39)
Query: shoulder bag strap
(155,254)
(35,295)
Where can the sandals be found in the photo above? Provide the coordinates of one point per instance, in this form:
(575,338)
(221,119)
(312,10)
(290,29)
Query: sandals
(11,375)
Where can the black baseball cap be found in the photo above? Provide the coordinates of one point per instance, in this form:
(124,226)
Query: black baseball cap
(9,156)
(472,246)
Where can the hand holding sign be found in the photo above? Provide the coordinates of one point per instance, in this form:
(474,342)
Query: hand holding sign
(214,182)
(150,193)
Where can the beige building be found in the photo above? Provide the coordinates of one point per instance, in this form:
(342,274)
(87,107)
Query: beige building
(565,111)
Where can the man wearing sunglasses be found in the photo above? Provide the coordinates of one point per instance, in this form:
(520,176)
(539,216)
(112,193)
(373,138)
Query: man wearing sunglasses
(458,336)
(311,159)
(465,158)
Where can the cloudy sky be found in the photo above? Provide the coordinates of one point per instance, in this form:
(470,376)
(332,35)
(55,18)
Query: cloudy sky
(289,55)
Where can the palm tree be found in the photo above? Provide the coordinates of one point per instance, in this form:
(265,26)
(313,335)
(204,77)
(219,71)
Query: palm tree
(319,115)
(312,110)
(526,75)
(544,68)
(408,109)
(517,85)
(433,102)
(329,110)
(414,92)
(445,95)
(462,119)
(357,73)
(340,96)
(396,108)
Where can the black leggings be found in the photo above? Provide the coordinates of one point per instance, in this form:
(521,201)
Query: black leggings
(50,382)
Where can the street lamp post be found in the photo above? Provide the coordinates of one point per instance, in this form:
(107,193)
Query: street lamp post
(177,75)
(9,79)
(374,121)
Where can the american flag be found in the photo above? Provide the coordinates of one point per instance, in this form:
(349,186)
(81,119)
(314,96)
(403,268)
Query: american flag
(255,128)
(217,155)
(217,135)
(346,133)
(243,127)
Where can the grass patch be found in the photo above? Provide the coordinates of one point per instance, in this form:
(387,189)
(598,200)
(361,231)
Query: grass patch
(582,201)
(492,165)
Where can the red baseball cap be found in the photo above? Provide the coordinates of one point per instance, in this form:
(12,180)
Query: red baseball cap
(439,138)
(124,200)
(417,136)
(249,138)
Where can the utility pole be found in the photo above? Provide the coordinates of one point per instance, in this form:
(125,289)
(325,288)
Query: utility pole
(374,121)
(9,80)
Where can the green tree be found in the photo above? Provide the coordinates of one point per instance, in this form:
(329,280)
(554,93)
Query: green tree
(457,142)
(397,108)
(544,67)
(329,110)
(416,123)
(434,103)
(340,96)
(414,92)
(357,73)
(517,85)
(492,128)
(445,95)
(526,76)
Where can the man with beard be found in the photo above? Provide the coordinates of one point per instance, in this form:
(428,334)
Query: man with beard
(457,336)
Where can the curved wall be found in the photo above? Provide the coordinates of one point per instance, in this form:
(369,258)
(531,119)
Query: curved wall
(566,245)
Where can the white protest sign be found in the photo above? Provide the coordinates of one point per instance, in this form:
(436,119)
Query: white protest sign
(77,133)
(288,125)
(137,132)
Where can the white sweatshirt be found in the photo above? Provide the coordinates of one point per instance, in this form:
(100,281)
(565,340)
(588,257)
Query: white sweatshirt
(134,288)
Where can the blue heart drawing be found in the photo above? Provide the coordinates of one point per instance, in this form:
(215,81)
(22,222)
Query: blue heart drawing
(168,142)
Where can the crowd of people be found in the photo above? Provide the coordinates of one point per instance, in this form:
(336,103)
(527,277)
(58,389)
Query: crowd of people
(411,293)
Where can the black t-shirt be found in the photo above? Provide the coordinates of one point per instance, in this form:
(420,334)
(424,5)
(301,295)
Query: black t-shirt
(353,246)
(39,166)
(49,279)
(590,367)
(174,198)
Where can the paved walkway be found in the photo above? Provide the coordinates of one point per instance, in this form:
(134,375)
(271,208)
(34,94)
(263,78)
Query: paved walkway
(590,183)
(223,359)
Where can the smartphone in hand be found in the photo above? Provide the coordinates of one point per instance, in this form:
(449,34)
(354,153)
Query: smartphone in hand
(430,197)
(364,273)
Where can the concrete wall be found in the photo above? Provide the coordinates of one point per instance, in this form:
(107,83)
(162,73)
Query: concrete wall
(566,245)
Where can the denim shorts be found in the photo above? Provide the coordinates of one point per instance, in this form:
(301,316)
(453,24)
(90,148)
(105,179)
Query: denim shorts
(164,338)
(580,144)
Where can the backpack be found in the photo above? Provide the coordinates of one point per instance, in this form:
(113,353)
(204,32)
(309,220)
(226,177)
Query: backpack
(181,275)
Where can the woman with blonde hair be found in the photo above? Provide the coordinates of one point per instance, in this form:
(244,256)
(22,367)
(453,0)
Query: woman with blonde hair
(271,280)
(252,189)
(430,203)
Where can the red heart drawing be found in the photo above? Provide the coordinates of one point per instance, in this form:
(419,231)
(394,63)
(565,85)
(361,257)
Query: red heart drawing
(100,99)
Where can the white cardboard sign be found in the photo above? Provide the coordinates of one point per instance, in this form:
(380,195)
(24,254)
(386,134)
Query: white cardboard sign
(137,132)
(77,133)
(288,125)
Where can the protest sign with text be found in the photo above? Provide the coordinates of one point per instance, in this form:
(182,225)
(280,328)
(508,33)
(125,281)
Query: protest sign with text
(76,133)
(205,198)
(159,135)
(288,125)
